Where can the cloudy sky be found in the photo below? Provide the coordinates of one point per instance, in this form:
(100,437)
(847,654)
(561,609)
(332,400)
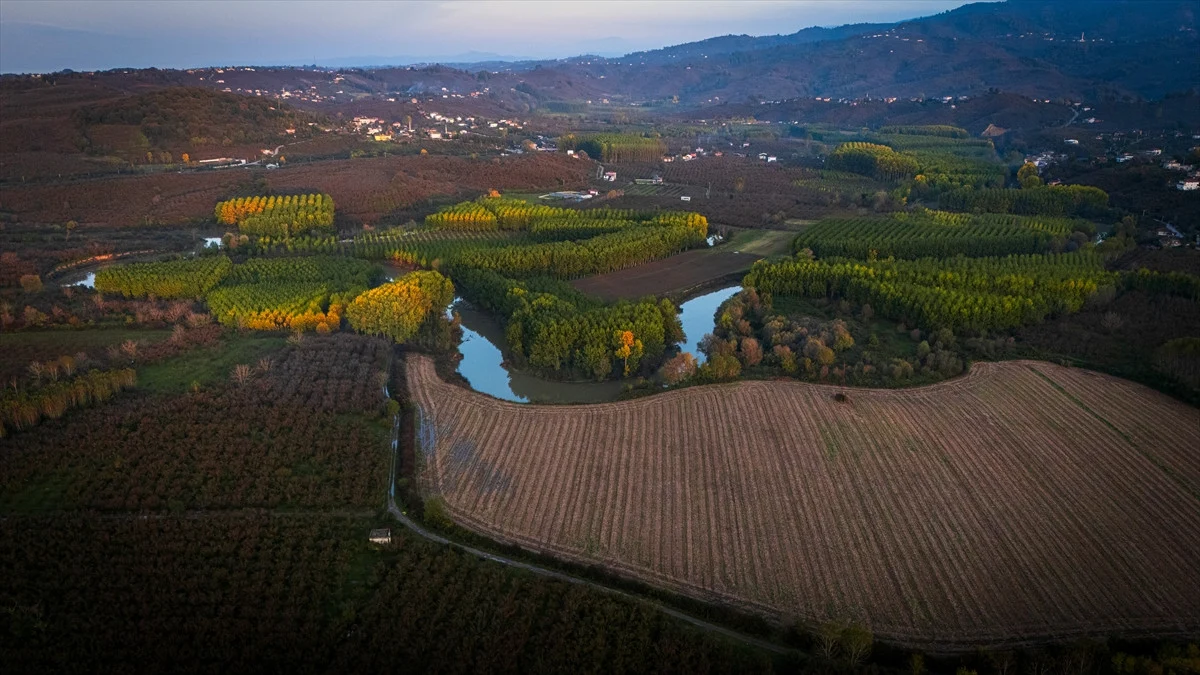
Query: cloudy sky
(48,35)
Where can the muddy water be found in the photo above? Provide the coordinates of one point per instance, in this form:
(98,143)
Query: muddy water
(485,370)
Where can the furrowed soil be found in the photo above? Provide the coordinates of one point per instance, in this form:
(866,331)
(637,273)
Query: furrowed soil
(1024,502)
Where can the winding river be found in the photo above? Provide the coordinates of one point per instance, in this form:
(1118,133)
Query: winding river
(483,364)
(484,367)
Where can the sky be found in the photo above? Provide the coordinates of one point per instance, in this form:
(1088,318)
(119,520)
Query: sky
(50,35)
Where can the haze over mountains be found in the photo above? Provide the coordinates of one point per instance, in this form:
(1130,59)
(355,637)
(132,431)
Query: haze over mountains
(1078,49)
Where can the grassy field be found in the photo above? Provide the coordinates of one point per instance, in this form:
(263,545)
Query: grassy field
(1024,501)
(764,243)
(206,366)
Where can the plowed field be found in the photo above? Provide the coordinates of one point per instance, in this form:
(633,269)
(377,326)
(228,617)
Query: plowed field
(1022,502)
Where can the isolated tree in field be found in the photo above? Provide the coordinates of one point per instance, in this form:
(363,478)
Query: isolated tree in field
(70,227)
(678,368)
(916,664)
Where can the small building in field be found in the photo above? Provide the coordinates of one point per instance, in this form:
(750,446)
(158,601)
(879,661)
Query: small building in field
(382,537)
(685,198)
(1188,185)
(610,176)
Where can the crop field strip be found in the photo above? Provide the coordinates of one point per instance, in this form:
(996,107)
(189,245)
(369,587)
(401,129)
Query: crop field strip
(1023,501)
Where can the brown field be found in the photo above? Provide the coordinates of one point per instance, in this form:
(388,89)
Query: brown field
(669,275)
(364,190)
(1023,502)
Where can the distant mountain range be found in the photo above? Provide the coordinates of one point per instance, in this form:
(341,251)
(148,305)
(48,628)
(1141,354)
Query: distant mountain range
(1052,49)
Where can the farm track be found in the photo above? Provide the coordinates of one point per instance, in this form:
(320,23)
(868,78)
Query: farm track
(428,535)
(1022,503)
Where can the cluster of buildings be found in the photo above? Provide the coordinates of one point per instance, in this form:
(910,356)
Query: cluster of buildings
(433,125)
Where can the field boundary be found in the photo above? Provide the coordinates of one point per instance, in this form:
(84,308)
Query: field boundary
(1133,624)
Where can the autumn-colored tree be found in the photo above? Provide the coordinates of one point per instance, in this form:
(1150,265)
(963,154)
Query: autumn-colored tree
(678,368)
(628,347)
(723,367)
(187,159)
(31,283)
(787,359)
(751,352)
(842,340)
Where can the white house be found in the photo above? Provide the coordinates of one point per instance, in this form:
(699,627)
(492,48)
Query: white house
(1188,185)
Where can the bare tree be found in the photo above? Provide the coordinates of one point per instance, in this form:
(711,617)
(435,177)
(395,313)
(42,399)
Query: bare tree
(242,373)
(856,642)
(828,636)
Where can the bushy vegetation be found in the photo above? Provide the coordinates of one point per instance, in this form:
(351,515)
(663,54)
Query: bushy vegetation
(21,408)
(552,327)
(397,309)
(870,159)
(190,278)
(230,592)
(308,293)
(183,117)
(939,130)
(1046,200)
(278,217)
(616,147)
(288,430)
(924,233)
(977,294)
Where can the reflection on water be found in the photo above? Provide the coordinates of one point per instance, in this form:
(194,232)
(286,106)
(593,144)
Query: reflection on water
(697,317)
(484,369)
(78,277)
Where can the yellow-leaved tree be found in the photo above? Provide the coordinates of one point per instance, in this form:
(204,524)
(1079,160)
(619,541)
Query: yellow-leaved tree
(398,309)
